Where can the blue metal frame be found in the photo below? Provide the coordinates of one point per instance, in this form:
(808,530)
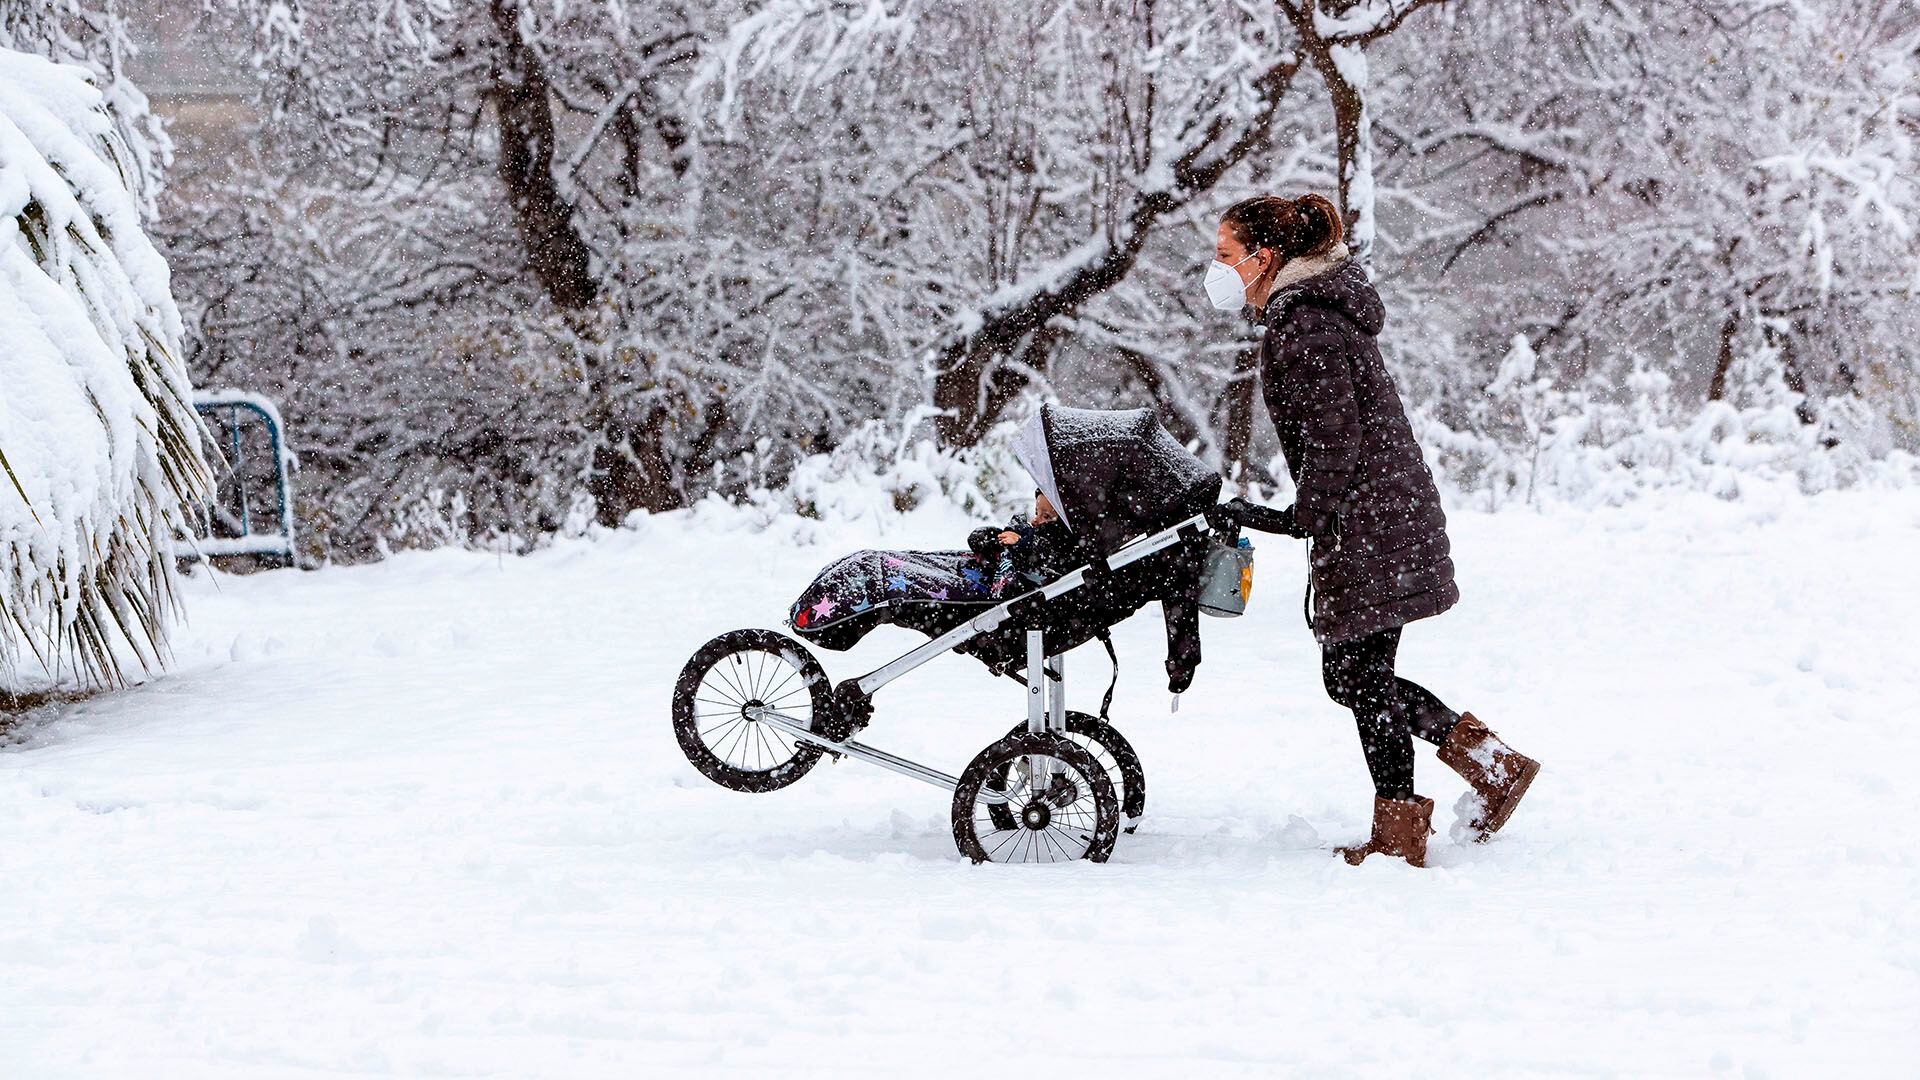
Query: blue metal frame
(282,487)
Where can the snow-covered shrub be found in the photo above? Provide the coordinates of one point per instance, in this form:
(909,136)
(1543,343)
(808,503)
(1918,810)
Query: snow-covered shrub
(1524,440)
(99,443)
(881,470)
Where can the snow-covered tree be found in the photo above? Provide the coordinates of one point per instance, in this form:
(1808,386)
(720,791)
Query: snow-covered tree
(99,444)
(563,255)
(94,34)
(1680,186)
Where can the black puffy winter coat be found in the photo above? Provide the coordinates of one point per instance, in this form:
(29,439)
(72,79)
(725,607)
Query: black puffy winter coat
(1379,549)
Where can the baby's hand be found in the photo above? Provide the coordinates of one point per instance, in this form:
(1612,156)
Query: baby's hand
(1009,538)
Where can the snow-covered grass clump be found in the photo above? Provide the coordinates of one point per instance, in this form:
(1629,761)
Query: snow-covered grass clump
(1529,440)
(99,444)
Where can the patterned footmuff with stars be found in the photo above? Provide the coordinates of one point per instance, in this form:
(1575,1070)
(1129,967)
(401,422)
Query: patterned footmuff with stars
(928,591)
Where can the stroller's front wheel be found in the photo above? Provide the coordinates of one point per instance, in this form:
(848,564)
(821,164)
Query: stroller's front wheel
(1053,799)
(713,704)
(1114,753)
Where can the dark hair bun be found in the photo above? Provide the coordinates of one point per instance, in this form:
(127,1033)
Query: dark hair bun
(1306,227)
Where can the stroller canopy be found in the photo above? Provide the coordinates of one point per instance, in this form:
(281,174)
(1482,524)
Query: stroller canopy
(1113,474)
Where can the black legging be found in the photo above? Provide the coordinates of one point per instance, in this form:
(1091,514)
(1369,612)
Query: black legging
(1389,710)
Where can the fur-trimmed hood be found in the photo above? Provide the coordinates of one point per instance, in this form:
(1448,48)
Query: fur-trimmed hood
(1334,281)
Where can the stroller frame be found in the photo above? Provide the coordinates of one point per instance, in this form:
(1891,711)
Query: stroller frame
(1144,517)
(1046,711)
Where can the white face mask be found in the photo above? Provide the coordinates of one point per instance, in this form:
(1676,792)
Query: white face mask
(1224,286)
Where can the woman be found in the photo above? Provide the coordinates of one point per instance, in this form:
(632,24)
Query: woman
(1367,506)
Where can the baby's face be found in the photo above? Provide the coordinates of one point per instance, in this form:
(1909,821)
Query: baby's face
(1042,509)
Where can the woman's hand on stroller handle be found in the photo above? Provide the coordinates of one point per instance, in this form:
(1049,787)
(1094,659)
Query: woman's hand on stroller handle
(1264,519)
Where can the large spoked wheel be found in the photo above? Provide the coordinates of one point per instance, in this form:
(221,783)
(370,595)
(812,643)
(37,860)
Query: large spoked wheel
(731,675)
(1114,753)
(1057,797)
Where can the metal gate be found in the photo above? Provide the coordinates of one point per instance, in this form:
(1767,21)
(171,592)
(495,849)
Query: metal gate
(251,514)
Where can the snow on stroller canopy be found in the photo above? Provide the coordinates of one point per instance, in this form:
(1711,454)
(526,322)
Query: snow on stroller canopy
(1113,474)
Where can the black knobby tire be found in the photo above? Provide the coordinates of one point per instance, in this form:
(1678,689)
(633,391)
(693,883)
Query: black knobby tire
(1082,813)
(1114,753)
(731,672)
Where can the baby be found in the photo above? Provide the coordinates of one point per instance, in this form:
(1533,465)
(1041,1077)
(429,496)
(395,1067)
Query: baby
(1027,548)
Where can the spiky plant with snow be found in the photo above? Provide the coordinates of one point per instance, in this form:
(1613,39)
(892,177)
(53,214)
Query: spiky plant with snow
(99,443)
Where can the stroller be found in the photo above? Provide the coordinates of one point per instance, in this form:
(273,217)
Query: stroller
(754,711)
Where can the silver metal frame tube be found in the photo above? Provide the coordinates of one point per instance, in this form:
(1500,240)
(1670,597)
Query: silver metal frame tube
(792,728)
(1057,693)
(1036,681)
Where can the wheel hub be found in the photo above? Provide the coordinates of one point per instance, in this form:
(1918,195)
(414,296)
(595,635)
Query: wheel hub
(1036,816)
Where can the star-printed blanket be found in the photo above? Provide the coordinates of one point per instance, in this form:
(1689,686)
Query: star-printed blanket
(866,580)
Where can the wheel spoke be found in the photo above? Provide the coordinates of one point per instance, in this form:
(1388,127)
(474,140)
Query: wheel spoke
(791,672)
(719,682)
(1067,848)
(775,701)
(766,746)
(1011,835)
(1047,835)
(1019,845)
(760,673)
(732,677)
(739,741)
(780,740)
(770,674)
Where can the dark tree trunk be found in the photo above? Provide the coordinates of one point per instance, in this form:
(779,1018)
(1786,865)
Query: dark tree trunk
(523,107)
(1349,101)
(630,472)
(1349,109)
(1236,455)
(1790,370)
(1177,423)
(1717,389)
(631,469)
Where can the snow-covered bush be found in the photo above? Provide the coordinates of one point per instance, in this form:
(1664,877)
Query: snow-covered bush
(884,469)
(99,443)
(1526,441)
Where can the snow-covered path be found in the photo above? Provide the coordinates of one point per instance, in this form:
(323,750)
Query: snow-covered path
(427,818)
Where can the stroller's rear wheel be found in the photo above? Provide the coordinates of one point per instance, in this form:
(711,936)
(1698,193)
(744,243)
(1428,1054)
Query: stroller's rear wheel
(1058,803)
(731,675)
(1114,753)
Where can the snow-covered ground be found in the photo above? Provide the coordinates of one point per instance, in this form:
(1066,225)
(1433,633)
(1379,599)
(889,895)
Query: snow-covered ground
(427,818)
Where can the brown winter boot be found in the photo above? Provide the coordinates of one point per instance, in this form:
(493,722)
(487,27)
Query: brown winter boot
(1399,829)
(1499,775)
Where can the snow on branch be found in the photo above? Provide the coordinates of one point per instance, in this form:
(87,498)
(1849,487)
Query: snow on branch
(1365,21)
(99,443)
(94,35)
(811,40)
